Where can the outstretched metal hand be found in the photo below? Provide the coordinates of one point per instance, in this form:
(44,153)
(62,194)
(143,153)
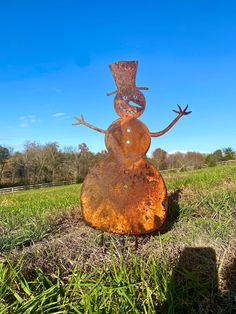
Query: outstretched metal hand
(181,111)
(81,121)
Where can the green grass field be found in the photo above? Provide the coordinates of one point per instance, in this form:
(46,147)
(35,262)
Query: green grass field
(50,262)
(27,216)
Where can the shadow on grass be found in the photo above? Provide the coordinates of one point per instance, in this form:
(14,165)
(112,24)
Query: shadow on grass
(173,211)
(193,287)
(228,297)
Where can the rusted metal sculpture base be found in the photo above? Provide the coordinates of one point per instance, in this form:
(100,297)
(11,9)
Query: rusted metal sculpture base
(124,200)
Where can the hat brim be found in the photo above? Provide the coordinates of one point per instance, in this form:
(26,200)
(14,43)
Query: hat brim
(140,88)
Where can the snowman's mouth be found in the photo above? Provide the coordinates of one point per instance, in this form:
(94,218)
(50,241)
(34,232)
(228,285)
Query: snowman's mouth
(130,109)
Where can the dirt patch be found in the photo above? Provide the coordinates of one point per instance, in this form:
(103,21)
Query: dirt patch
(75,244)
(66,220)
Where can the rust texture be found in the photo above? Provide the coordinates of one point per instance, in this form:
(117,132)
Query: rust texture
(126,194)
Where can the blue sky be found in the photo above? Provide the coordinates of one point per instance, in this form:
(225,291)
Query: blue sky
(54,58)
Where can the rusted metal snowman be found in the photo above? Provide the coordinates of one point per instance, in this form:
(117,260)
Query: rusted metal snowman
(125,193)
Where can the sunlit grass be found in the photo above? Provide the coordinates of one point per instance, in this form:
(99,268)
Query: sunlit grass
(206,178)
(131,282)
(27,216)
(127,287)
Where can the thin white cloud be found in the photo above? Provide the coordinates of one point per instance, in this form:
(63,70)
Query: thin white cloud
(185,151)
(24,125)
(58,114)
(177,151)
(27,121)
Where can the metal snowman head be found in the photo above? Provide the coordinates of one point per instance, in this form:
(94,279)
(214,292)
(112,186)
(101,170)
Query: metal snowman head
(129,102)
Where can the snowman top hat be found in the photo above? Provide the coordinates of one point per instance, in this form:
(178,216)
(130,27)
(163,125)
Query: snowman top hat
(124,73)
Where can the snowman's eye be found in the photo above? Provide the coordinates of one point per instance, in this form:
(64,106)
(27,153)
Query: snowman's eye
(125,97)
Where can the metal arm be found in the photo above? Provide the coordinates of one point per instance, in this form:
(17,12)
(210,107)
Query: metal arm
(180,114)
(81,121)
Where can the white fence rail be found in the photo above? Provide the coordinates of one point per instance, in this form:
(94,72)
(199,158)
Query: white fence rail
(42,185)
(186,168)
(33,186)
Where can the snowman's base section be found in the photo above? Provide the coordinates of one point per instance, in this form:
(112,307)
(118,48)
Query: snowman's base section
(124,200)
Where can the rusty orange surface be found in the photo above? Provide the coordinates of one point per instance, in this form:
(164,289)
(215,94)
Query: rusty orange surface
(124,200)
(125,193)
(127,140)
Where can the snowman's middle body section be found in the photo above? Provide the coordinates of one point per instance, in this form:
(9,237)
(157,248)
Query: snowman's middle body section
(127,140)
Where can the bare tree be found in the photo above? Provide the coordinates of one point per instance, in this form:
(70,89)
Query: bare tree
(159,158)
(4,158)
(194,159)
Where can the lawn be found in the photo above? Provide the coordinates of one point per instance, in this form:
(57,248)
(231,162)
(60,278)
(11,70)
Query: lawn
(27,216)
(51,262)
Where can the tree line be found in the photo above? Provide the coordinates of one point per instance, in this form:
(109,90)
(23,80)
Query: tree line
(162,160)
(38,163)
